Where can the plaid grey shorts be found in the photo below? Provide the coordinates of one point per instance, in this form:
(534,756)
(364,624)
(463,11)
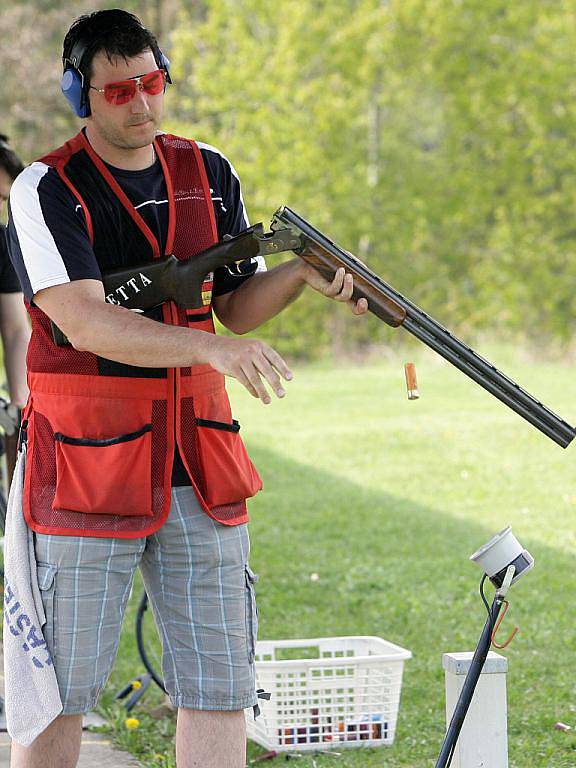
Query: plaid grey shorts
(202,594)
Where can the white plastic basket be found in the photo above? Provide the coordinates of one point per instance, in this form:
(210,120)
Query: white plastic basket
(328,692)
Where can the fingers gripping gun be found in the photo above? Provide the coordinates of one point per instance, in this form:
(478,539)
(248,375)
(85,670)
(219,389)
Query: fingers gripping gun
(145,286)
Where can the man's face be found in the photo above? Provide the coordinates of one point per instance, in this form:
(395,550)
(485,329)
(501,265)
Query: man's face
(131,125)
(5,184)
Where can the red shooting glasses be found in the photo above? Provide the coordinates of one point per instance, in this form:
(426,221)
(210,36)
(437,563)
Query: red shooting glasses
(124,91)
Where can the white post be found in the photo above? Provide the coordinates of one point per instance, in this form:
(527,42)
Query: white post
(483,741)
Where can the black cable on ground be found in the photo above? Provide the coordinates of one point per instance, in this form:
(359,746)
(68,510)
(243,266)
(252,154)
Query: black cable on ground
(142,608)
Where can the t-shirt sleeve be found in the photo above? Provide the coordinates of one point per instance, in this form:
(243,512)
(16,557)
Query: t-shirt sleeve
(231,218)
(48,238)
(8,279)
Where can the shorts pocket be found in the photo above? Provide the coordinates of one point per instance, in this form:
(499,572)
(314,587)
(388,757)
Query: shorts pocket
(46,576)
(110,476)
(251,613)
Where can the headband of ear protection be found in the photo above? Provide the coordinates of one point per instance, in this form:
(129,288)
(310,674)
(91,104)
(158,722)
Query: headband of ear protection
(73,85)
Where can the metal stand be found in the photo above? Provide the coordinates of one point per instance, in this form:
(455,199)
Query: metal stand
(480,654)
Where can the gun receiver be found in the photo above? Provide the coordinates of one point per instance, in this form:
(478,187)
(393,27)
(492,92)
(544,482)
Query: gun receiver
(396,310)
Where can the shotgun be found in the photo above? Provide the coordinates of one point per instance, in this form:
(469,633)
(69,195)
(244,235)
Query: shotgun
(146,285)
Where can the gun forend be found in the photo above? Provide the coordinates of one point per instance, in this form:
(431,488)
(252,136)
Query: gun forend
(326,257)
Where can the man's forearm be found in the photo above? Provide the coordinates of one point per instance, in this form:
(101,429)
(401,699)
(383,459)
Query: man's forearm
(261,297)
(126,337)
(92,325)
(118,334)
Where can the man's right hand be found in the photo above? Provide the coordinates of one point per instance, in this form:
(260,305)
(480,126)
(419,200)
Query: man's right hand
(252,362)
(92,325)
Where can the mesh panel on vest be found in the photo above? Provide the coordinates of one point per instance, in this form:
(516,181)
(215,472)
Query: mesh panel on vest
(159,455)
(189,433)
(231,513)
(43,485)
(195,231)
(45,357)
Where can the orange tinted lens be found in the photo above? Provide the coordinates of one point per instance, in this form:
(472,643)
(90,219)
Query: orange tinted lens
(120,93)
(153,83)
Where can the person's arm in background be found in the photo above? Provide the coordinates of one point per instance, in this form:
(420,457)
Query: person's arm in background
(15,332)
(14,328)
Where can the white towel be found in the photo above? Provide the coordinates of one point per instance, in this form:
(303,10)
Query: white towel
(31,689)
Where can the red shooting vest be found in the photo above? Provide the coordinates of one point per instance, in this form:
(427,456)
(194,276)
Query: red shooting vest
(101,435)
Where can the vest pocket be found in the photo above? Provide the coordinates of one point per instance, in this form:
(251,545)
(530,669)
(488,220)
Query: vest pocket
(223,425)
(110,476)
(228,475)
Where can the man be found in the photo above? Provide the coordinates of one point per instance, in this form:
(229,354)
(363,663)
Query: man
(14,326)
(133,458)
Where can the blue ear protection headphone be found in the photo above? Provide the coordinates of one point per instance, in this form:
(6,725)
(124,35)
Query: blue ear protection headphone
(76,90)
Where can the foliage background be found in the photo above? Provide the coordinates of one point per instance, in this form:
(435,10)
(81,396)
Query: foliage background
(434,138)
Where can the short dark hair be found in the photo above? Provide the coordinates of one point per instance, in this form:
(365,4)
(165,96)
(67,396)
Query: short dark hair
(114,32)
(9,160)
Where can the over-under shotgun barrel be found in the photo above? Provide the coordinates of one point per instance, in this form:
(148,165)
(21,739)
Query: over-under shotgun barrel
(396,310)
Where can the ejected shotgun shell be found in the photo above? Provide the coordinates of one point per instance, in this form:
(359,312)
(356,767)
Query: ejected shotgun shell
(411,381)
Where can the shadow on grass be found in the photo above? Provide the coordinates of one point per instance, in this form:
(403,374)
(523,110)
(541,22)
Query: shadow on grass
(400,570)
(393,568)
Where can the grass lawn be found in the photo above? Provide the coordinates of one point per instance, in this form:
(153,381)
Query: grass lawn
(385,499)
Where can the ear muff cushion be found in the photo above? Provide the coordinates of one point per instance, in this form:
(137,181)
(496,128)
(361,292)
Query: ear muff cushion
(71,86)
(165,64)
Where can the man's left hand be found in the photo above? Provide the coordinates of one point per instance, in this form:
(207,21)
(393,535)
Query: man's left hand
(340,289)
